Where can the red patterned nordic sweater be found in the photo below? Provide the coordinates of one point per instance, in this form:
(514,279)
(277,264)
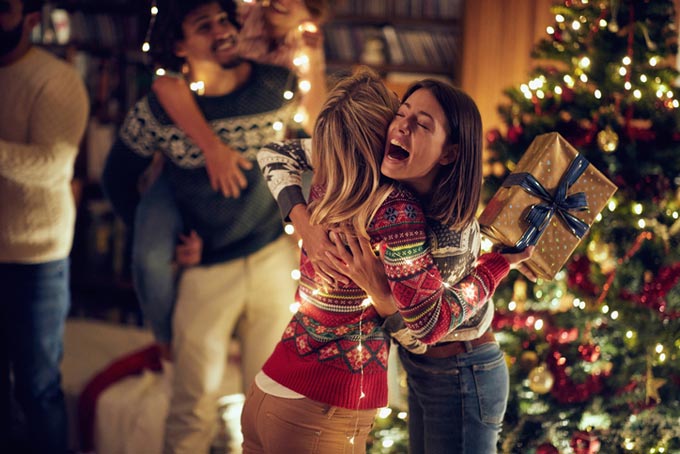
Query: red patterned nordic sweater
(334,350)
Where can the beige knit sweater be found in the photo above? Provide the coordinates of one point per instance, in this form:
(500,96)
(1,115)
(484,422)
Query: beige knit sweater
(43,113)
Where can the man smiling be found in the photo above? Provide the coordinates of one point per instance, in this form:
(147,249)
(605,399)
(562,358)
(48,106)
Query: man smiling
(244,252)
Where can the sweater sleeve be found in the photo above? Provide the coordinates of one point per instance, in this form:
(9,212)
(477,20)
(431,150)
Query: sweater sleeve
(470,294)
(282,165)
(58,120)
(430,307)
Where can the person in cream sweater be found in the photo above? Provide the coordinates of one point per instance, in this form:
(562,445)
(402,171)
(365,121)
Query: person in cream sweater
(43,114)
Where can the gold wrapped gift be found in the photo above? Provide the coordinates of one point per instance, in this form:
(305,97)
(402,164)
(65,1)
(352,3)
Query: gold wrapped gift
(550,200)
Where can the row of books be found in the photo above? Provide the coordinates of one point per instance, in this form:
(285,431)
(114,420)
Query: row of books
(429,48)
(428,9)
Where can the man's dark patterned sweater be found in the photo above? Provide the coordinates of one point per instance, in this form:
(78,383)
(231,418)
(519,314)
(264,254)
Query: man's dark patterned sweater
(245,119)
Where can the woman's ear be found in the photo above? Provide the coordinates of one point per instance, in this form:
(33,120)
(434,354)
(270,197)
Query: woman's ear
(449,154)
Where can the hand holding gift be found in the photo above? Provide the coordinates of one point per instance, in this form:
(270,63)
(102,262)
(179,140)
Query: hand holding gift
(550,201)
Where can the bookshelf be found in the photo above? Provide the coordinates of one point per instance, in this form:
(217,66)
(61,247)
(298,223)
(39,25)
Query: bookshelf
(403,40)
(102,39)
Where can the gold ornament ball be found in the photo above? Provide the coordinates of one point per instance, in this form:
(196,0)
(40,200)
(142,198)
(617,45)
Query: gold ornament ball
(541,380)
(528,360)
(608,140)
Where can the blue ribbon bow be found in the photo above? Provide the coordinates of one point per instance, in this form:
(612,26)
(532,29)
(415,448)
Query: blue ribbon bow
(539,215)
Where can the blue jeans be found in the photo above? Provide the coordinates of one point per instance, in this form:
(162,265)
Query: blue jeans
(456,404)
(157,228)
(35,303)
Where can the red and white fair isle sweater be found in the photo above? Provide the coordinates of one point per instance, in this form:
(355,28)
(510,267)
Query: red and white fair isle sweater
(335,350)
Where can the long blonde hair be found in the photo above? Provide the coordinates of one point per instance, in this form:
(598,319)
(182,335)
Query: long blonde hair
(347,149)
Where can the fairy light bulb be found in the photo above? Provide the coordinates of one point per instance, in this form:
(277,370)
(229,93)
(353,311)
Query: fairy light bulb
(584,62)
(299,116)
(305,86)
(301,60)
(146,47)
(626,60)
(278,126)
(487,244)
(198,87)
(288,95)
(289,229)
(296,275)
(550,30)
(637,94)
(308,26)
(622,71)
(559,18)
(154,10)
(597,94)
(160,72)
(384,412)
(576,25)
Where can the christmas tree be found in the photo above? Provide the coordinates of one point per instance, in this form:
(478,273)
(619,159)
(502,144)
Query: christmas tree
(594,353)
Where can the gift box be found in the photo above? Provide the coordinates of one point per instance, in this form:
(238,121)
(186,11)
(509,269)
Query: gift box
(550,200)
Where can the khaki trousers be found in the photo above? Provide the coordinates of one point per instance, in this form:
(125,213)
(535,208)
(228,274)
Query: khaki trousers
(210,301)
(275,425)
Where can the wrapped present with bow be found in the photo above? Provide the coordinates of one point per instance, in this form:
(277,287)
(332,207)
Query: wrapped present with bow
(550,201)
